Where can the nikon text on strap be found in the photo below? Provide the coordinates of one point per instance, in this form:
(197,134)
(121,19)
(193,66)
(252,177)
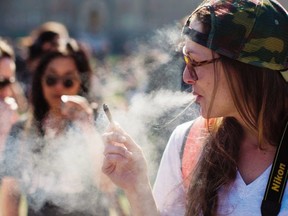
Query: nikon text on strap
(271,203)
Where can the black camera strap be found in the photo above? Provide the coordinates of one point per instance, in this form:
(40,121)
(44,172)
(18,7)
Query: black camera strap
(275,188)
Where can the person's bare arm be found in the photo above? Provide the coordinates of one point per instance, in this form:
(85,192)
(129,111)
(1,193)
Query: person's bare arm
(10,197)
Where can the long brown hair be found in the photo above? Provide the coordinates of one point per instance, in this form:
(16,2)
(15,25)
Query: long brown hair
(261,97)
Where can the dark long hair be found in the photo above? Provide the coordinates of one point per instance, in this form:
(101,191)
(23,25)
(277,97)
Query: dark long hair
(71,49)
(261,97)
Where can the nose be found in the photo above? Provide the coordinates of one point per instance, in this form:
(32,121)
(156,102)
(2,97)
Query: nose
(58,86)
(187,77)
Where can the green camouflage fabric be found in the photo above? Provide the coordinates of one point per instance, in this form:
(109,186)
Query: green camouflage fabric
(251,31)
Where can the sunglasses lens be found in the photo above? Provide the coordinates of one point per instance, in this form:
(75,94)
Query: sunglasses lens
(53,80)
(190,68)
(68,83)
(50,80)
(187,60)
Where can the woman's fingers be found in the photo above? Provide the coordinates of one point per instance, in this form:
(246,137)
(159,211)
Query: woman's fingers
(112,161)
(114,136)
(76,107)
(117,149)
(117,135)
(124,162)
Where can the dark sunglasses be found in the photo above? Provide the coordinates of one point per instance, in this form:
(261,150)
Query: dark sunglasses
(191,64)
(67,82)
(6,81)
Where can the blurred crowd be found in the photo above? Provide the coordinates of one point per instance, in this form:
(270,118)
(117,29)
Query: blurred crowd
(52,87)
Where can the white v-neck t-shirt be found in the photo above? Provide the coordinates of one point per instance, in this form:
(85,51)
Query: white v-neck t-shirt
(169,192)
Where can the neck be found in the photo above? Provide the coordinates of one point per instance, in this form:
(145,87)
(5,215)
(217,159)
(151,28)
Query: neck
(55,113)
(55,120)
(254,158)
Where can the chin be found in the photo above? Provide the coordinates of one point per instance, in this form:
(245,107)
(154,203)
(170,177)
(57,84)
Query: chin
(204,114)
(55,104)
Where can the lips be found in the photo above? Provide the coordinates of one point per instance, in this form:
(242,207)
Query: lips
(57,96)
(198,96)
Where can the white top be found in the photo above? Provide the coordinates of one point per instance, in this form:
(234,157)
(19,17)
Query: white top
(169,191)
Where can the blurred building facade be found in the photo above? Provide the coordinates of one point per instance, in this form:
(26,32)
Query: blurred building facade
(94,19)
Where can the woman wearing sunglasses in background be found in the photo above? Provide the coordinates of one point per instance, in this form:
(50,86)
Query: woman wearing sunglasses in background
(236,54)
(55,158)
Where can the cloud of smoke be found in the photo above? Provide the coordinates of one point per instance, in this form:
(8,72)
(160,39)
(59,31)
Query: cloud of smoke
(151,118)
(67,171)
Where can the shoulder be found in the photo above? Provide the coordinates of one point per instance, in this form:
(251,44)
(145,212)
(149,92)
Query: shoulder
(181,130)
(184,126)
(16,132)
(18,127)
(178,137)
(20,124)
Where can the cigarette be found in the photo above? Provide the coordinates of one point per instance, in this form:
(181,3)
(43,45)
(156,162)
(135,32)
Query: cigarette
(64,98)
(108,113)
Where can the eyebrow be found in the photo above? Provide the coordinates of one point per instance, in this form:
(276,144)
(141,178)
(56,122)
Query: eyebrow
(184,51)
(188,52)
(69,72)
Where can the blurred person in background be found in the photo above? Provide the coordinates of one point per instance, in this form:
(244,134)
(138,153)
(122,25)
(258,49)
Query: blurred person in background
(60,129)
(12,99)
(43,39)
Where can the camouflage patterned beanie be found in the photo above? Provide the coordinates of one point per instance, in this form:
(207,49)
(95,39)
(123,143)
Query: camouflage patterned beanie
(251,31)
